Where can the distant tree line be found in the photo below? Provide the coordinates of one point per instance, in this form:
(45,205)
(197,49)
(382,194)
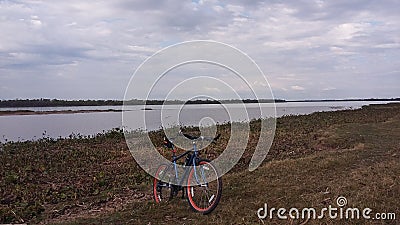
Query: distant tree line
(43,102)
(208,101)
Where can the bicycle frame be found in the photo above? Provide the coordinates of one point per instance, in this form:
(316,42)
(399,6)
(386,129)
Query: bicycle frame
(190,162)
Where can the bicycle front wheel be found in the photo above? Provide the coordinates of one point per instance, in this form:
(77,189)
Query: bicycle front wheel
(204,187)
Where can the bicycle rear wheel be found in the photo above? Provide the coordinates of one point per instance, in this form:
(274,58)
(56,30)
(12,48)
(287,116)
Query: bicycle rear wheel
(204,188)
(162,189)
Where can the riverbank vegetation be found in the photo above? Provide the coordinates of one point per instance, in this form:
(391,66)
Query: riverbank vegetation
(313,160)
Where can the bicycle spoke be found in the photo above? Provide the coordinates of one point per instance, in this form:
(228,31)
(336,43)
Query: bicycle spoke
(161,190)
(205,191)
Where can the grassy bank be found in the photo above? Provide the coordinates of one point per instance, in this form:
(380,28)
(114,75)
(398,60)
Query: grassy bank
(314,159)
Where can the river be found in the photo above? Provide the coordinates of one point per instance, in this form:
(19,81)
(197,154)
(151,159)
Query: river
(32,127)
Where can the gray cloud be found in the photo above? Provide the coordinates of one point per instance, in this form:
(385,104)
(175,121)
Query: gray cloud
(75,49)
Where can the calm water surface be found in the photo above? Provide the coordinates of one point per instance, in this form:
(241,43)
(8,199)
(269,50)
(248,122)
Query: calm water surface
(31,127)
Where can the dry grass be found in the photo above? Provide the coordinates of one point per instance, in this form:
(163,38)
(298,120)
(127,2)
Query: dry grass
(314,159)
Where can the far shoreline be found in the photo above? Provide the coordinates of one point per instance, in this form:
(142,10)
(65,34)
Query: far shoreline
(28,103)
(48,112)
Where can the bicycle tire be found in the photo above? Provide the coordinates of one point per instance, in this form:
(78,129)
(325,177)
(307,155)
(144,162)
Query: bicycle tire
(162,191)
(199,204)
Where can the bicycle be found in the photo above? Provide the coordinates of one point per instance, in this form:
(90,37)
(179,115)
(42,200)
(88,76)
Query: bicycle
(203,185)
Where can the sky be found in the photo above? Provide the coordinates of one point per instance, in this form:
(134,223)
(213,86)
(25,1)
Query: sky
(306,49)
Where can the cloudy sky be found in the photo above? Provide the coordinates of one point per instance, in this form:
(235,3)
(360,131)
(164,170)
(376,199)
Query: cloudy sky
(307,49)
